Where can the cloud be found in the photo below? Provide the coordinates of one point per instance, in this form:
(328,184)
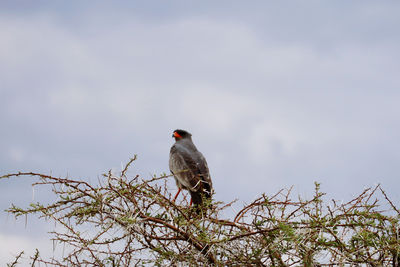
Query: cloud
(273,96)
(12,245)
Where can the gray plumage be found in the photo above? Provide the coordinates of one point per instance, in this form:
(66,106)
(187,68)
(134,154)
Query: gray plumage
(189,168)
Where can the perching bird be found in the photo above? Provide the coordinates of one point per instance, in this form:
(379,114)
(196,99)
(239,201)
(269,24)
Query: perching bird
(189,168)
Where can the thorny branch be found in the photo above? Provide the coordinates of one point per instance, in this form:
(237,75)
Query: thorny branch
(134,222)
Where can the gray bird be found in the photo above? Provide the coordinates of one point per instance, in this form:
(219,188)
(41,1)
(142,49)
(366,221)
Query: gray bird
(189,168)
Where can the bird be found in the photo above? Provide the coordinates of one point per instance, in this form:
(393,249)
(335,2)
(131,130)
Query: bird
(189,168)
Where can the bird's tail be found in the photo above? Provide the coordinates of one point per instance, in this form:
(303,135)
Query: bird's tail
(198,199)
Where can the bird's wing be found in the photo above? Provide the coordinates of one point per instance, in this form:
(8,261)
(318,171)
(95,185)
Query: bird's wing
(204,172)
(185,169)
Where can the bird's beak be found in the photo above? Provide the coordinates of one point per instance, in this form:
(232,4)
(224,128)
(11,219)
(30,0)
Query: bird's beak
(176,135)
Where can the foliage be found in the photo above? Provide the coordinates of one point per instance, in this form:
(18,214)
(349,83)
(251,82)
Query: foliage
(134,222)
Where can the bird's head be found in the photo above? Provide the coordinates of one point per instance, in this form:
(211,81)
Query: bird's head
(181,134)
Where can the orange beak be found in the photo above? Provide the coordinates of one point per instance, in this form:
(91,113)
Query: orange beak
(176,135)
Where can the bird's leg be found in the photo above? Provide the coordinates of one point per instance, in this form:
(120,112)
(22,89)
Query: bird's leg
(179,190)
(191,201)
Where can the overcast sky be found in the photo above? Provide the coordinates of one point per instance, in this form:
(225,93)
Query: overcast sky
(275,93)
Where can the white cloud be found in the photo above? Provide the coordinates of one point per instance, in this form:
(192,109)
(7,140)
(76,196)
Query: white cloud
(272,99)
(213,109)
(12,245)
(17,154)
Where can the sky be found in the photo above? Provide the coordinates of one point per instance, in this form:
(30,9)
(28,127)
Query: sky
(275,94)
